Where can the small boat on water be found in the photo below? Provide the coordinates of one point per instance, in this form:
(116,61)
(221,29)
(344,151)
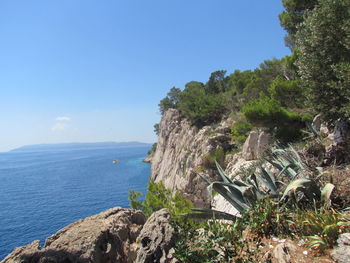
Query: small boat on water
(116,161)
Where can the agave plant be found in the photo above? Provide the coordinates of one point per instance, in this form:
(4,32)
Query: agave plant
(242,194)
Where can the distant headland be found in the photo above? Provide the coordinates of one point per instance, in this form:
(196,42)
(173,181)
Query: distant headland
(78,146)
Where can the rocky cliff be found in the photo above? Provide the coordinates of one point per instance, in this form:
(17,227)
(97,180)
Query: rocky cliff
(182,152)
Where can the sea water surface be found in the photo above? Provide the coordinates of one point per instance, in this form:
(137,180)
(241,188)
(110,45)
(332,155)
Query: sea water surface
(42,191)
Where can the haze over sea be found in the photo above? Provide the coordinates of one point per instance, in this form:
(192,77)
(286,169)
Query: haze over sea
(44,188)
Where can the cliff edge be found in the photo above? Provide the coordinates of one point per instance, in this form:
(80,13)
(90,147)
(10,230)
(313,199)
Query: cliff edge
(182,152)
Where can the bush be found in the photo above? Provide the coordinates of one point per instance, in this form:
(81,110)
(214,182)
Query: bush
(170,101)
(214,242)
(153,149)
(288,93)
(200,108)
(217,155)
(240,131)
(158,197)
(267,112)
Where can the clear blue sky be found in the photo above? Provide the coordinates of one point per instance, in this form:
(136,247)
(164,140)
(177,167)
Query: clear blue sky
(95,70)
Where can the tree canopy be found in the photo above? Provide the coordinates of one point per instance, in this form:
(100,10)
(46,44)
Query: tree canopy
(323,42)
(315,78)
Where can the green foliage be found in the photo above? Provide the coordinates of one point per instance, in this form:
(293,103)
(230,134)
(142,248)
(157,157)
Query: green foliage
(266,218)
(290,70)
(240,131)
(153,149)
(290,184)
(324,57)
(217,82)
(200,108)
(134,198)
(218,155)
(164,105)
(158,197)
(293,16)
(269,113)
(156,128)
(170,101)
(214,242)
(289,93)
(322,227)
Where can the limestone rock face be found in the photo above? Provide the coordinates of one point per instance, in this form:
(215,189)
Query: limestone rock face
(108,237)
(250,146)
(156,239)
(180,155)
(148,159)
(255,145)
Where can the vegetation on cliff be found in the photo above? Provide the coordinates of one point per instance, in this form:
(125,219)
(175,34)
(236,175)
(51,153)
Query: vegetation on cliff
(302,201)
(278,94)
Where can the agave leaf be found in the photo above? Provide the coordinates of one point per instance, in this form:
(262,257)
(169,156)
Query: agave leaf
(202,213)
(222,173)
(312,128)
(249,195)
(284,170)
(265,178)
(296,160)
(306,186)
(205,179)
(234,196)
(253,181)
(326,194)
(274,162)
(240,183)
(236,191)
(280,183)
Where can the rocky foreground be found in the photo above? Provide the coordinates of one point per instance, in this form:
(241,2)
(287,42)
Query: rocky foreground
(116,235)
(121,235)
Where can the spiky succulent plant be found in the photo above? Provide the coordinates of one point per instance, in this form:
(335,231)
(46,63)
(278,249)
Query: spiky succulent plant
(242,194)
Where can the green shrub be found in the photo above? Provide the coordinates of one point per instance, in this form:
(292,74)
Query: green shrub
(170,101)
(285,125)
(267,218)
(240,131)
(321,227)
(215,242)
(288,93)
(158,197)
(200,108)
(153,149)
(218,155)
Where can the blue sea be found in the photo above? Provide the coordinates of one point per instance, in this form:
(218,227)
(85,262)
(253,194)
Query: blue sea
(41,191)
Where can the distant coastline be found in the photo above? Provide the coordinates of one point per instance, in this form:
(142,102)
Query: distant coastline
(77,146)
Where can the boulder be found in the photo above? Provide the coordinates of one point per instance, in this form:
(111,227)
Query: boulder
(250,145)
(156,239)
(338,151)
(255,145)
(263,143)
(341,253)
(341,132)
(282,253)
(108,237)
